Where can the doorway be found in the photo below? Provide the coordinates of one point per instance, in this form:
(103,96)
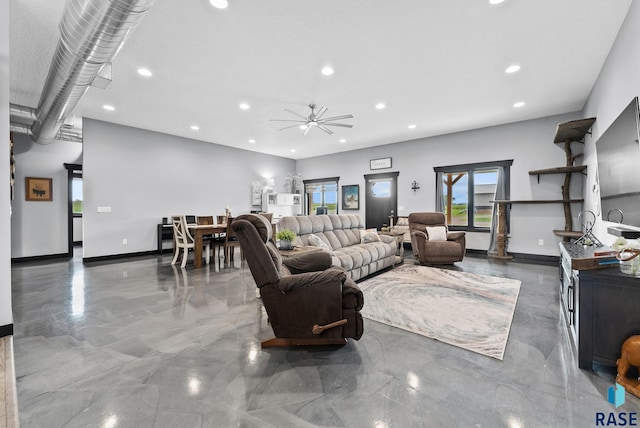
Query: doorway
(381,198)
(74,210)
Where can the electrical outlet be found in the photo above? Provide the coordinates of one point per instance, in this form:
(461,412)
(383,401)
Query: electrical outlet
(541,242)
(124,241)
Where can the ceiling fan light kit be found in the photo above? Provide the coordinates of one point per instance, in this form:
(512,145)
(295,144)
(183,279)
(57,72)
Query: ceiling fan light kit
(315,120)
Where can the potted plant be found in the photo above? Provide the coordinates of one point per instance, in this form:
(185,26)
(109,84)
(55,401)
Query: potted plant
(286,237)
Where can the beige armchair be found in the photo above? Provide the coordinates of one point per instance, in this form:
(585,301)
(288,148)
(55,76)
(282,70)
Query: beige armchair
(431,241)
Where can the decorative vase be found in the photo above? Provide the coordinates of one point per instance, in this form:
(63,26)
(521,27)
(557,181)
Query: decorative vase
(286,245)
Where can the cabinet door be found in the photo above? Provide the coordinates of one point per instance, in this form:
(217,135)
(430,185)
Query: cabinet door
(285,199)
(615,318)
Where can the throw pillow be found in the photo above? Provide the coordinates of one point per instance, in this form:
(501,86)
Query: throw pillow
(367,236)
(315,241)
(436,233)
(403,221)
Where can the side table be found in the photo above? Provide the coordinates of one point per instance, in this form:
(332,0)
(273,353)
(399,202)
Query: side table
(399,237)
(299,250)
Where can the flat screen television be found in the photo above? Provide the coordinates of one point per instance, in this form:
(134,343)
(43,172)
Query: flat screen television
(618,153)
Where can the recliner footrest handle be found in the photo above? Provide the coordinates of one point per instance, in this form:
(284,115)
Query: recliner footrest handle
(317,329)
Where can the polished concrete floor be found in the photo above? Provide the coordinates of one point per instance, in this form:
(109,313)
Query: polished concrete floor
(138,343)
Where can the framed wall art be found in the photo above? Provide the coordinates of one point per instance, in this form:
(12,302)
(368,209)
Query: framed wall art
(381,163)
(38,189)
(351,197)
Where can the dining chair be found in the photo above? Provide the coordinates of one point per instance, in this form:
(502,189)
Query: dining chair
(214,239)
(184,240)
(230,242)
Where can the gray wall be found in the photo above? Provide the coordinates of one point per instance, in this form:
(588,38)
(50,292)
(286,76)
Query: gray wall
(144,176)
(528,143)
(40,227)
(618,83)
(6,317)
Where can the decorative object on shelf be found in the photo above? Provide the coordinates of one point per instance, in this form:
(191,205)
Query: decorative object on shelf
(286,237)
(292,182)
(415,186)
(315,120)
(381,163)
(351,197)
(629,260)
(38,189)
(629,357)
(587,220)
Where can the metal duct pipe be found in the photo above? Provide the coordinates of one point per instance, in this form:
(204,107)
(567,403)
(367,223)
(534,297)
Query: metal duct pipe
(22,114)
(22,118)
(91,34)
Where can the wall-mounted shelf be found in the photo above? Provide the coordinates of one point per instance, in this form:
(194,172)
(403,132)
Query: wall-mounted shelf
(537,201)
(559,170)
(566,133)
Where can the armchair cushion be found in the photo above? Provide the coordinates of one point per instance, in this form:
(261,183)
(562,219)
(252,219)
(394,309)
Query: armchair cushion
(436,233)
(308,262)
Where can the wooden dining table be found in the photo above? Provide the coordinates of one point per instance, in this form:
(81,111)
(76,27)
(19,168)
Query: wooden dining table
(198,231)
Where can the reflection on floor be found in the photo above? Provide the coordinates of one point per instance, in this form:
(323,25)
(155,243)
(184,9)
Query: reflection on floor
(139,343)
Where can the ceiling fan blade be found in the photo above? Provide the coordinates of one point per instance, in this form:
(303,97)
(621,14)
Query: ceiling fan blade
(287,120)
(344,125)
(322,111)
(307,129)
(327,130)
(297,114)
(346,116)
(287,127)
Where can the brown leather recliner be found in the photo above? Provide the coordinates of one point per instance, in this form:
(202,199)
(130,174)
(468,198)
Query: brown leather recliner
(430,251)
(308,301)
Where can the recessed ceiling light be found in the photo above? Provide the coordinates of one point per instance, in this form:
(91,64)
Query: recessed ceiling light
(252,141)
(244,106)
(411,127)
(108,107)
(512,69)
(519,104)
(219,4)
(303,126)
(380,106)
(145,72)
(195,127)
(292,150)
(495,1)
(342,140)
(327,71)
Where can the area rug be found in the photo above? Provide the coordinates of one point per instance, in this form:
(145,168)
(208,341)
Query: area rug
(468,310)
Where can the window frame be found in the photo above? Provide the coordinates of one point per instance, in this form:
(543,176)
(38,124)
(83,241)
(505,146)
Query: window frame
(335,180)
(470,169)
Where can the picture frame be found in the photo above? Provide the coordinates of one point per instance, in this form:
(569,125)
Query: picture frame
(382,163)
(38,189)
(351,197)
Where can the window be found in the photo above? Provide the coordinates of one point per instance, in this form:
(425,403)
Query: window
(467,192)
(321,195)
(76,196)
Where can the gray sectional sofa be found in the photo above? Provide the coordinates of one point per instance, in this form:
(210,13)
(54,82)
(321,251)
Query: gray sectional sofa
(344,236)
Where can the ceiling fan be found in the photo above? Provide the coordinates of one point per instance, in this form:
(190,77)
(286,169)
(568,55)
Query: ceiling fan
(315,120)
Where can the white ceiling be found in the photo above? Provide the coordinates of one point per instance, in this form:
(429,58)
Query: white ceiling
(436,64)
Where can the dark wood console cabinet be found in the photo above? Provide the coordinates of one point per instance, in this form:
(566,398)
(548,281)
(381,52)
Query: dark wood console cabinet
(600,303)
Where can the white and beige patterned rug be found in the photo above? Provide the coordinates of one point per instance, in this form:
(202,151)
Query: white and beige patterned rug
(464,309)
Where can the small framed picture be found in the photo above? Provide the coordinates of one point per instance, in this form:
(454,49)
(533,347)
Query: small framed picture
(351,197)
(382,163)
(38,189)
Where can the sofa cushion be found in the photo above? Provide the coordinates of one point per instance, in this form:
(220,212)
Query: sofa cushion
(436,233)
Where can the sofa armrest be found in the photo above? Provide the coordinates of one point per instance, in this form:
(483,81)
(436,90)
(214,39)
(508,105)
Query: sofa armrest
(455,236)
